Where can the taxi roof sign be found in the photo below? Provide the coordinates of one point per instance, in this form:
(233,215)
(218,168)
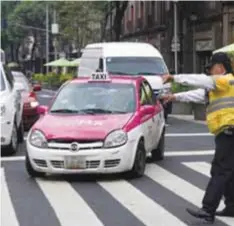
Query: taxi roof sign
(99,76)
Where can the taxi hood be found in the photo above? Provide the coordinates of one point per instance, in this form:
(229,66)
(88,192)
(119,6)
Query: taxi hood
(85,127)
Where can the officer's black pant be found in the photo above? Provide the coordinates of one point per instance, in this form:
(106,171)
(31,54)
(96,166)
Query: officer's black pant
(222,174)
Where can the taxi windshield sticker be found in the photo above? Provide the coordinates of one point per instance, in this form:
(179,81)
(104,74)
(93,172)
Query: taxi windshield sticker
(99,76)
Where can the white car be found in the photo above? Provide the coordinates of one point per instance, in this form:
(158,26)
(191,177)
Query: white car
(97,126)
(11,108)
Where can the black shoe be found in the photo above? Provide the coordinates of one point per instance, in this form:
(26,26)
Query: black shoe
(225,213)
(202,214)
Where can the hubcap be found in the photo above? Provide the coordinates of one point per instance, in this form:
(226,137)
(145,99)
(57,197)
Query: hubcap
(14,138)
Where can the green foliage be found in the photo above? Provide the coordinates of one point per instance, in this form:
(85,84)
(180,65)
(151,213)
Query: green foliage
(52,79)
(176,88)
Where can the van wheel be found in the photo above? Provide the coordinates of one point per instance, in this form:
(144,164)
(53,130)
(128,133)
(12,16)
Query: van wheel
(31,172)
(138,168)
(21,132)
(158,153)
(12,148)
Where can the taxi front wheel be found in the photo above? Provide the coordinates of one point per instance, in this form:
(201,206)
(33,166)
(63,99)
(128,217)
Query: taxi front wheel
(32,173)
(138,168)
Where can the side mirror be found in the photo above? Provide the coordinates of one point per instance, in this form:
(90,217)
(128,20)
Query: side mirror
(147,110)
(37,88)
(42,109)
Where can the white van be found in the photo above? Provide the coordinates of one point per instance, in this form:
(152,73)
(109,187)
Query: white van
(126,58)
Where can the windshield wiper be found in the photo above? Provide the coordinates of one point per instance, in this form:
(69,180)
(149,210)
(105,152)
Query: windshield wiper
(100,111)
(119,73)
(64,110)
(148,73)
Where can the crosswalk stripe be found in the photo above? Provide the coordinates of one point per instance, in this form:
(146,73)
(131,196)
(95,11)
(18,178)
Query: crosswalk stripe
(180,187)
(201,167)
(144,208)
(8,215)
(68,205)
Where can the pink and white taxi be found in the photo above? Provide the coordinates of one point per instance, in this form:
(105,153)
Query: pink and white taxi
(97,125)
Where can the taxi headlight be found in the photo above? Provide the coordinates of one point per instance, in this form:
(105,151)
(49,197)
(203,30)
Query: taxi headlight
(37,139)
(34,104)
(116,138)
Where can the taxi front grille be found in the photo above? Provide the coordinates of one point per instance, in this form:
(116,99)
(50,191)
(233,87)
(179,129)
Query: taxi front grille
(89,164)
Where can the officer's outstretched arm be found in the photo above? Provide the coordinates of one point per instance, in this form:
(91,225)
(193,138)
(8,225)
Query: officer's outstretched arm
(196,96)
(197,80)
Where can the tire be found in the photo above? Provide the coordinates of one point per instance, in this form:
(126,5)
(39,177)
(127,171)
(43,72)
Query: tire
(31,172)
(158,153)
(21,132)
(138,168)
(12,148)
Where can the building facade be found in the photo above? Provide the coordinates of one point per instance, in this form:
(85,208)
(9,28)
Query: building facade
(203,26)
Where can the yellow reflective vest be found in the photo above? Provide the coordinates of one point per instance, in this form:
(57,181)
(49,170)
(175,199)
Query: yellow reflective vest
(220,110)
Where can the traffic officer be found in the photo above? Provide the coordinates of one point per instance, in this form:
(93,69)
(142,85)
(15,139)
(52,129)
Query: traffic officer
(217,91)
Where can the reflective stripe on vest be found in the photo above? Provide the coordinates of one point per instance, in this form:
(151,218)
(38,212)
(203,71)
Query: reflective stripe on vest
(231,82)
(226,102)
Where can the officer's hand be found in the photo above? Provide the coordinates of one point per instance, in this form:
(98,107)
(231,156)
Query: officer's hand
(168,98)
(167,78)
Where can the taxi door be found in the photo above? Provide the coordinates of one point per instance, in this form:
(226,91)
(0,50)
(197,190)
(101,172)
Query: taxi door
(156,117)
(148,122)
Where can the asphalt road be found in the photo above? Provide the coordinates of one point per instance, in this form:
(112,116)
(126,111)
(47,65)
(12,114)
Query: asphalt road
(159,198)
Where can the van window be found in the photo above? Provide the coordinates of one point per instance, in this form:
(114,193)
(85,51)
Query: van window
(136,65)
(91,61)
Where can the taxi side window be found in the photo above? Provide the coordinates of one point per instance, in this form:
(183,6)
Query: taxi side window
(144,98)
(149,92)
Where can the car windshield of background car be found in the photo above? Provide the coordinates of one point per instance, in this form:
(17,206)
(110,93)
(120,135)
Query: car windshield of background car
(95,98)
(136,66)
(2,83)
(20,79)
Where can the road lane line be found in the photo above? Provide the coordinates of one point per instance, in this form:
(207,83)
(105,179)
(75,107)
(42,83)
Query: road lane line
(180,187)
(187,134)
(144,208)
(68,205)
(188,153)
(167,154)
(8,215)
(201,167)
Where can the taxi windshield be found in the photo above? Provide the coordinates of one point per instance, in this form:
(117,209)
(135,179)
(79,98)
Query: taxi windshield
(136,66)
(95,98)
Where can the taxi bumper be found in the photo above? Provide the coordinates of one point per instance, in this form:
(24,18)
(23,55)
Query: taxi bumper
(102,160)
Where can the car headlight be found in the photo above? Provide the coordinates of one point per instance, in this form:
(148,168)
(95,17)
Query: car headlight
(37,139)
(2,110)
(116,138)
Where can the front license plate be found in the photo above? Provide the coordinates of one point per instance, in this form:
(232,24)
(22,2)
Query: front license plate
(72,162)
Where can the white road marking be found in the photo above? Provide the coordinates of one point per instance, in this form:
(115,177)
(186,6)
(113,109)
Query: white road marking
(187,134)
(68,205)
(189,153)
(8,215)
(144,208)
(201,167)
(180,187)
(167,154)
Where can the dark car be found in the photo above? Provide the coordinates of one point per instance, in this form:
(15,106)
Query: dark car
(30,114)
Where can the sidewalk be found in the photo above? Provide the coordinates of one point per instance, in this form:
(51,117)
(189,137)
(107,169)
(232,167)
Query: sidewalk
(189,118)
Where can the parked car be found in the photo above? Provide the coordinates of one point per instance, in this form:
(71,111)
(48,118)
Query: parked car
(30,115)
(127,58)
(11,109)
